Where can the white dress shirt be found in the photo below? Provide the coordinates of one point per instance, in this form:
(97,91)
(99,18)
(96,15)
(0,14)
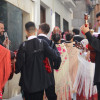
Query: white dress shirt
(32,37)
(43,35)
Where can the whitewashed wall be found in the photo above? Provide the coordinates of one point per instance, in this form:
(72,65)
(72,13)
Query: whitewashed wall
(32,11)
(53,6)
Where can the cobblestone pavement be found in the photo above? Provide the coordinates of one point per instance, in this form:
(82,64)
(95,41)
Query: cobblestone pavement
(19,97)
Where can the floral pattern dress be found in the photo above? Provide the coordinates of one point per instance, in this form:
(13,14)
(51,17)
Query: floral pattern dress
(62,77)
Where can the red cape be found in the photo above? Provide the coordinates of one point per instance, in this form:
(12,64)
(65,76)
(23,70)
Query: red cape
(5,66)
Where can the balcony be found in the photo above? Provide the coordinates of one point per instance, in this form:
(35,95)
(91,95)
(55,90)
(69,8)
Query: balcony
(69,3)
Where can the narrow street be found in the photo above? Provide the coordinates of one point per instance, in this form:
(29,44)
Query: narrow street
(19,97)
(61,65)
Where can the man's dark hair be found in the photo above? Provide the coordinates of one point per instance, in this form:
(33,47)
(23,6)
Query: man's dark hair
(30,27)
(76,31)
(69,36)
(45,28)
(56,37)
(98,14)
(1,22)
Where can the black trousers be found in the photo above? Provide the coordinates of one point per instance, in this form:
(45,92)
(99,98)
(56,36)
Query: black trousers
(98,88)
(34,96)
(50,93)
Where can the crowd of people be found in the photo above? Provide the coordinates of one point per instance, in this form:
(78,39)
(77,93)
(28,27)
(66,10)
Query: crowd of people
(55,68)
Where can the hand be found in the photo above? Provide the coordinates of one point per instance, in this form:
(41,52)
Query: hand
(6,42)
(84,29)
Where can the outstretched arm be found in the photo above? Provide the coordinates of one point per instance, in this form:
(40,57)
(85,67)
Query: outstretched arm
(94,42)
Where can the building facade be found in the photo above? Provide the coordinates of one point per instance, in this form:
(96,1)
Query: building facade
(18,12)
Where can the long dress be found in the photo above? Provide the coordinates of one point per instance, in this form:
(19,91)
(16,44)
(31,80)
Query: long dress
(84,79)
(73,61)
(62,77)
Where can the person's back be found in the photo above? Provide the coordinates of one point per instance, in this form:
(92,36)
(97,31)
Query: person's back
(69,37)
(54,64)
(43,31)
(29,61)
(77,37)
(33,73)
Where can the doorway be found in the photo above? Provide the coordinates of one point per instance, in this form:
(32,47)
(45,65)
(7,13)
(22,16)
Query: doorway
(42,14)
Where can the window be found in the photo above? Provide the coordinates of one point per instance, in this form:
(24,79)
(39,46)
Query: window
(57,20)
(65,25)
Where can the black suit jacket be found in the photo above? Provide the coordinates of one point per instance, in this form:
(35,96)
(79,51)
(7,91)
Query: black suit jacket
(29,62)
(95,43)
(55,64)
(78,38)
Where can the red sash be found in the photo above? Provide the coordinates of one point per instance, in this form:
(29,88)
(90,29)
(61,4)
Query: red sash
(47,65)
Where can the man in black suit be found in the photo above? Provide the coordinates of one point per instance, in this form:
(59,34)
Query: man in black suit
(34,77)
(95,43)
(77,37)
(55,64)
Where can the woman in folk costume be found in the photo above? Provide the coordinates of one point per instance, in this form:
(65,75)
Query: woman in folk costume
(73,59)
(84,80)
(62,79)
(5,67)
